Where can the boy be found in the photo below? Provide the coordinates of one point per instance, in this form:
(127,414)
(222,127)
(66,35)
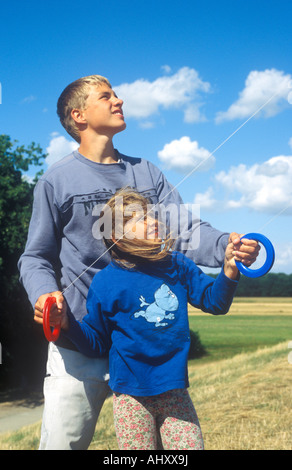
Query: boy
(63,244)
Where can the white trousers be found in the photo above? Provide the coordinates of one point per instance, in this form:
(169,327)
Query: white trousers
(75,388)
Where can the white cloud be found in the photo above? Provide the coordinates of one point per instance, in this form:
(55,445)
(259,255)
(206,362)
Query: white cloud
(206,200)
(181,90)
(28,99)
(284,256)
(185,155)
(28,178)
(262,187)
(59,147)
(260,86)
(146,125)
(192,113)
(166,68)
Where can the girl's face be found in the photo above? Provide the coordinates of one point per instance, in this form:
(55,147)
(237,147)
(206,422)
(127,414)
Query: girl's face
(137,229)
(140,228)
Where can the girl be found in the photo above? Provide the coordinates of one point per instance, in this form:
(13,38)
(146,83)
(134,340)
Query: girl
(137,313)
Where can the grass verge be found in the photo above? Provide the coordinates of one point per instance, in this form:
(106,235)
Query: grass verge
(241,390)
(243,403)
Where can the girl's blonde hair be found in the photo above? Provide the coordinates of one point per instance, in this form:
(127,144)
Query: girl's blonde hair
(74,97)
(128,250)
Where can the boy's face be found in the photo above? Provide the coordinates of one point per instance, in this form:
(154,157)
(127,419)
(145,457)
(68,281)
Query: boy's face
(103,113)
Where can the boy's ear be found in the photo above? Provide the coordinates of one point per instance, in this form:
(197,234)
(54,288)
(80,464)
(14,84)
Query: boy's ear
(77,115)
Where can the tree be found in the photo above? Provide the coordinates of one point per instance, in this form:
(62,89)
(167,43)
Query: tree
(16,196)
(270,285)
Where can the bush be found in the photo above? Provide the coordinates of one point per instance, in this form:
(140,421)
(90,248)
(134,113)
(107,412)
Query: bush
(197,350)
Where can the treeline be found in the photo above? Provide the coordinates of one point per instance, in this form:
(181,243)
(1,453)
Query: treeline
(270,285)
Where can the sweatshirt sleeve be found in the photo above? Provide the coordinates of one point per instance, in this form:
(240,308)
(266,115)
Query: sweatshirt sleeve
(91,336)
(211,295)
(38,262)
(197,239)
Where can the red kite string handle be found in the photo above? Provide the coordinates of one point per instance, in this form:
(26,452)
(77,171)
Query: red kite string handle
(49,334)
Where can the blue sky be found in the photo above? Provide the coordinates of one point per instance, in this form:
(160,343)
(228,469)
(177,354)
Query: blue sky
(192,74)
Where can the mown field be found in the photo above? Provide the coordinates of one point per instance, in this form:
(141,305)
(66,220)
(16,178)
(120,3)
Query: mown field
(250,324)
(241,389)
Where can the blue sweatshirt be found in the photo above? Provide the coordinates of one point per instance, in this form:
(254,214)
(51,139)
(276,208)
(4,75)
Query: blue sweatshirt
(140,316)
(64,239)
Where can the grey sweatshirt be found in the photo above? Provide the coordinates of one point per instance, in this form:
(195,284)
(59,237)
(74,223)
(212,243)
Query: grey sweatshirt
(64,237)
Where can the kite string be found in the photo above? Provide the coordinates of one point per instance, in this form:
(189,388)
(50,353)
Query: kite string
(275,216)
(184,179)
(223,143)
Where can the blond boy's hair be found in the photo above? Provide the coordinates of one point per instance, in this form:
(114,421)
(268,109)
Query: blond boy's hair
(75,96)
(132,251)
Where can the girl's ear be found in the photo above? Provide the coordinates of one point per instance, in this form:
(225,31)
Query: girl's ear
(114,240)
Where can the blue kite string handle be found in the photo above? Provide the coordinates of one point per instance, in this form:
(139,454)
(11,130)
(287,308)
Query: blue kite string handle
(270,252)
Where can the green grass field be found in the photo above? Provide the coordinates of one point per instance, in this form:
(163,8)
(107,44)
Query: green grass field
(249,325)
(241,389)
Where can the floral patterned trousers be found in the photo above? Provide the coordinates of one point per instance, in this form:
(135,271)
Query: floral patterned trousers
(166,421)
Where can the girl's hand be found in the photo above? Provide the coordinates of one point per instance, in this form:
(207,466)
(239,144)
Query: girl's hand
(245,251)
(230,268)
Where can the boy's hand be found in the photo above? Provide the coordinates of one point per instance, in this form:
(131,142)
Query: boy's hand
(244,250)
(58,312)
